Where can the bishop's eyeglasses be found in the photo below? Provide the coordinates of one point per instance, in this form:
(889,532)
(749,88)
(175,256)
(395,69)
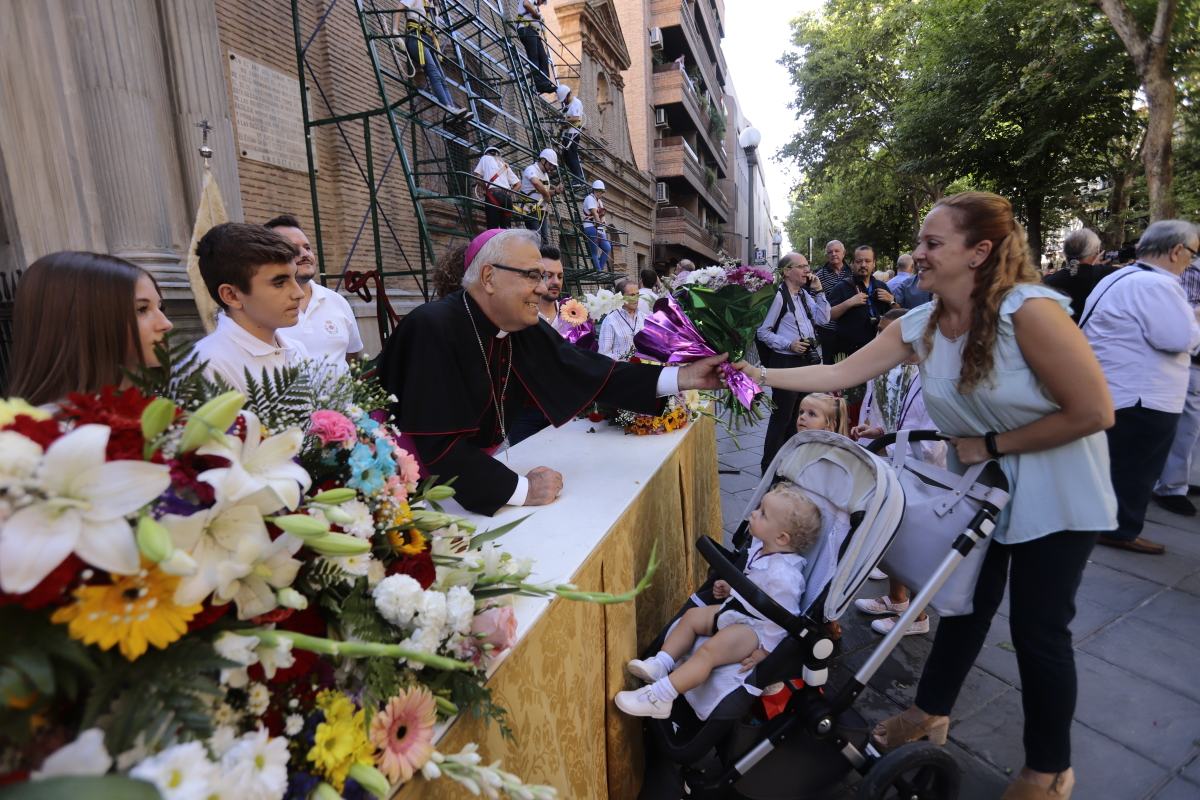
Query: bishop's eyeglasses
(534,276)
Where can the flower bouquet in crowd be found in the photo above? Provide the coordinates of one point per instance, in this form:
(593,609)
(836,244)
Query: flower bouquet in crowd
(713,314)
(601,303)
(576,324)
(203,601)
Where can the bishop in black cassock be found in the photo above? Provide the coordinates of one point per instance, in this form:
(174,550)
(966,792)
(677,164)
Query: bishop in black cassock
(463,367)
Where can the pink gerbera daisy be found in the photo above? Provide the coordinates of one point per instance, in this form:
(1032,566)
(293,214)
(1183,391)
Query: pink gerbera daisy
(403,732)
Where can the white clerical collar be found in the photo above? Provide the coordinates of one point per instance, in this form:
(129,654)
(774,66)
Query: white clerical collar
(501,334)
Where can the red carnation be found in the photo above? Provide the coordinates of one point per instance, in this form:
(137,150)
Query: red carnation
(52,589)
(43,431)
(121,411)
(419,567)
(207,616)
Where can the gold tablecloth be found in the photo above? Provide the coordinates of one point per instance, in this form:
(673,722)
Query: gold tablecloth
(558,682)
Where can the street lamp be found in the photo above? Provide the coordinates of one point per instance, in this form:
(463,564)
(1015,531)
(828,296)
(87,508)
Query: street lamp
(749,140)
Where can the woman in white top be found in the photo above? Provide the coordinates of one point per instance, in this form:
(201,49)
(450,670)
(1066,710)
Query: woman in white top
(618,327)
(1007,375)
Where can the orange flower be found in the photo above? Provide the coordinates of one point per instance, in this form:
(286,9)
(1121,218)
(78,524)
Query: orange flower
(573,312)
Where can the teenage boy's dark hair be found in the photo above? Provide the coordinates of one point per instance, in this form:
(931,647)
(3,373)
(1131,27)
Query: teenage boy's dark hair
(233,251)
(551,253)
(282,221)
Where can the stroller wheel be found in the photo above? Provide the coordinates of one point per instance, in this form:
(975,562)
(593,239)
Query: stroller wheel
(915,771)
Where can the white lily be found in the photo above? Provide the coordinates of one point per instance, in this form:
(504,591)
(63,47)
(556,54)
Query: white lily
(226,544)
(261,471)
(87,500)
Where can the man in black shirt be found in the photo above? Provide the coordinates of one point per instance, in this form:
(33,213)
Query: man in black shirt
(857,304)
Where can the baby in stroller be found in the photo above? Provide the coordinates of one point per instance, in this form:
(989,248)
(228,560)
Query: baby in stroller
(785,525)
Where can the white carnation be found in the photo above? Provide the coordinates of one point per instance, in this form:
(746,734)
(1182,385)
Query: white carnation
(257,766)
(21,456)
(423,640)
(460,609)
(433,612)
(398,598)
(182,772)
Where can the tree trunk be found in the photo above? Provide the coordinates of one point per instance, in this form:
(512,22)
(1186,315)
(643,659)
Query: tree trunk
(1156,154)
(1118,207)
(1149,53)
(1033,226)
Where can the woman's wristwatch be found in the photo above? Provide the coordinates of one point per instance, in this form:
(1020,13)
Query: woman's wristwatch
(989,441)
(762,375)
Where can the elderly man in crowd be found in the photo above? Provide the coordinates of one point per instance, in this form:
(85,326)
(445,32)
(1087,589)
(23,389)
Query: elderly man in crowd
(1142,330)
(857,305)
(464,366)
(1171,490)
(835,272)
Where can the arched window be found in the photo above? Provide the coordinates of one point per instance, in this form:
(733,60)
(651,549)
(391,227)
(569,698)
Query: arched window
(603,101)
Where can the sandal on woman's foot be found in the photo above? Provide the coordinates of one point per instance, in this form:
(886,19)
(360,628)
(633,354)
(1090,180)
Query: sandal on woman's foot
(898,730)
(1024,789)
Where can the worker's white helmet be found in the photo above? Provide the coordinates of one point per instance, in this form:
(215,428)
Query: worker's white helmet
(598,185)
(550,156)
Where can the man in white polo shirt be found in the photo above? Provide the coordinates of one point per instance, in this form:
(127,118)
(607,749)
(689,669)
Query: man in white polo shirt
(1142,330)
(326,327)
(250,272)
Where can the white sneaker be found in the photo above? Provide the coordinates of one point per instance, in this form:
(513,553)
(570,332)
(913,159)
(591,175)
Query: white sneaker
(880,606)
(877,575)
(885,626)
(649,670)
(642,703)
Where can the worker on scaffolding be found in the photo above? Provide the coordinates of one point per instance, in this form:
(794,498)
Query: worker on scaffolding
(539,192)
(421,42)
(572,111)
(497,183)
(594,227)
(529,23)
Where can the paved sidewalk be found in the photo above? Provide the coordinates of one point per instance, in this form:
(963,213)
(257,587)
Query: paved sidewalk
(1137,650)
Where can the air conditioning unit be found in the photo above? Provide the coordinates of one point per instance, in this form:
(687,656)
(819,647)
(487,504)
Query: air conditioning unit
(656,38)
(661,195)
(660,118)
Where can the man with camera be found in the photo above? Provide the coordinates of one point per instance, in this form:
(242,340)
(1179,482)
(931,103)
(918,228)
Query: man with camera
(787,338)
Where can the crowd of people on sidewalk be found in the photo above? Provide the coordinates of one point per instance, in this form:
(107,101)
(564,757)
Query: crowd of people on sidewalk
(1081,388)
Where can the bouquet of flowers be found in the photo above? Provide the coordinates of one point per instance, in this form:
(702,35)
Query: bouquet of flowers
(601,302)
(206,601)
(575,324)
(712,315)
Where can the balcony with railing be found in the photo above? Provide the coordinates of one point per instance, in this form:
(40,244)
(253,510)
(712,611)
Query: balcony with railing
(705,18)
(674,90)
(675,161)
(678,227)
(680,35)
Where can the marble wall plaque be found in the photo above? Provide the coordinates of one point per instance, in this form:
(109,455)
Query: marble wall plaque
(267,114)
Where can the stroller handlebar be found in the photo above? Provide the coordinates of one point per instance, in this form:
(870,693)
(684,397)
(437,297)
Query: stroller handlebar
(715,555)
(888,439)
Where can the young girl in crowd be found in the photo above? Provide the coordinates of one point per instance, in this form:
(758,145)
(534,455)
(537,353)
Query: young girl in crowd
(823,412)
(80,321)
(894,402)
(1007,374)
(784,526)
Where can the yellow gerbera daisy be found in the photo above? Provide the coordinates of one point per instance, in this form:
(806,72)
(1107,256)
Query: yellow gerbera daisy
(133,611)
(410,542)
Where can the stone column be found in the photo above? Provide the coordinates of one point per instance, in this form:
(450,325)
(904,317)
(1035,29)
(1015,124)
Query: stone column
(196,78)
(131,150)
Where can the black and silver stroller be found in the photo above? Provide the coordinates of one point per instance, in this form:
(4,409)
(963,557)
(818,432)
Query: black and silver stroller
(726,739)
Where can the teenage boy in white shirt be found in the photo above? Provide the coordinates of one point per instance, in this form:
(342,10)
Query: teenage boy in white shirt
(327,327)
(250,271)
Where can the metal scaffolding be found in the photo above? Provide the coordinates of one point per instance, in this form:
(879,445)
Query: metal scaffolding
(434,151)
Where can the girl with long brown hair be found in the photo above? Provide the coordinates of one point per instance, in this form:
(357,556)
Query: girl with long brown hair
(80,320)
(1007,375)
